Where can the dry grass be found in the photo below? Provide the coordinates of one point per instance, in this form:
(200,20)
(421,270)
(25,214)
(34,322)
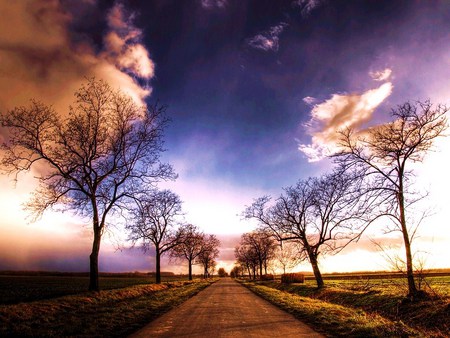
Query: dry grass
(111,313)
(359,309)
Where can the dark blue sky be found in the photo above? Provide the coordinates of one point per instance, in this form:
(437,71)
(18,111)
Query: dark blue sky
(243,105)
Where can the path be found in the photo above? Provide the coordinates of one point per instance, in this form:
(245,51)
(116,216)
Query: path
(226,309)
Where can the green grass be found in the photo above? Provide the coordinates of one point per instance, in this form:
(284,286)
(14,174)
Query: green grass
(110,313)
(17,289)
(357,308)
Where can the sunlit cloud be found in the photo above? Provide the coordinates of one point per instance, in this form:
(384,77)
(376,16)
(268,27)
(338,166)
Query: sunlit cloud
(338,112)
(268,40)
(123,45)
(381,75)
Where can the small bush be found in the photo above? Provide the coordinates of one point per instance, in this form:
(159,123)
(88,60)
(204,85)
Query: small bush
(288,278)
(268,276)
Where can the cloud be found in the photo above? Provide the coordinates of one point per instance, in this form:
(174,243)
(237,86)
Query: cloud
(268,40)
(381,75)
(338,112)
(209,4)
(123,47)
(41,59)
(307,6)
(309,100)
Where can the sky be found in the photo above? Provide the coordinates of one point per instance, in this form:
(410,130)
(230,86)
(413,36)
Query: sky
(255,91)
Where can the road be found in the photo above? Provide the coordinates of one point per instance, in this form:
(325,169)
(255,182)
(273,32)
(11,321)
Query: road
(226,309)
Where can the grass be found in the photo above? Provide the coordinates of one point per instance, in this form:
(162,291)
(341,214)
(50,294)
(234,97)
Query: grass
(109,313)
(17,289)
(362,308)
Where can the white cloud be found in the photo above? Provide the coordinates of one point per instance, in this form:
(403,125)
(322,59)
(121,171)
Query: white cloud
(381,75)
(309,100)
(268,40)
(338,112)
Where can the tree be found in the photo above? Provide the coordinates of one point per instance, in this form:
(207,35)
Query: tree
(153,224)
(247,258)
(208,255)
(191,245)
(384,154)
(287,255)
(262,245)
(222,273)
(322,215)
(236,271)
(94,160)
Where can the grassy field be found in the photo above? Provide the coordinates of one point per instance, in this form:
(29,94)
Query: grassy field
(364,307)
(17,289)
(109,313)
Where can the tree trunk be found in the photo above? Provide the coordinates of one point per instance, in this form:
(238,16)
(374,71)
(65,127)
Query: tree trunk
(260,269)
(190,269)
(412,290)
(93,260)
(158,266)
(315,267)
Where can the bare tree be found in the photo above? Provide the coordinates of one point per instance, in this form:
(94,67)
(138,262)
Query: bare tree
(323,215)
(191,245)
(385,154)
(287,255)
(153,224)
(208,255)
(94,160)
(247,258)
(262,245)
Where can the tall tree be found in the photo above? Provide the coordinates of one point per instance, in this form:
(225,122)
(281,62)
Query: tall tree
(153,224)
(192,241)
(322,215)
(208,255)
(384,154)
(247,258)
(262,244)
(95,159)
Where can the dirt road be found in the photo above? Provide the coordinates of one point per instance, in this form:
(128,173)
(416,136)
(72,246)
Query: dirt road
(226,309)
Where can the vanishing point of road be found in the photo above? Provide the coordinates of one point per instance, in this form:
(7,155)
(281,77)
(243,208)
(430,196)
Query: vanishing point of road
(226,309)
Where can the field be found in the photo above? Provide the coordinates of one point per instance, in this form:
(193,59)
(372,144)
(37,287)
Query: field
(33,306)
(22,288)
(369,307)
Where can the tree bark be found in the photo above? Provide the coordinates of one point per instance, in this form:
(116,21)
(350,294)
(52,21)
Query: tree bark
(316,270)
(158,266)
(190,269)
(93,260)
(412,290)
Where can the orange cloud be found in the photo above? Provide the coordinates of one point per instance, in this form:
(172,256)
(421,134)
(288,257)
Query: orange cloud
(39,60)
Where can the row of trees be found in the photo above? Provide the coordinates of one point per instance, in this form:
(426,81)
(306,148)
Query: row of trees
(372,180)
(155,223)
(100,160)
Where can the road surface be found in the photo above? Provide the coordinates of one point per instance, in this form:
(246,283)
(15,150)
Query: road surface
(226,309)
